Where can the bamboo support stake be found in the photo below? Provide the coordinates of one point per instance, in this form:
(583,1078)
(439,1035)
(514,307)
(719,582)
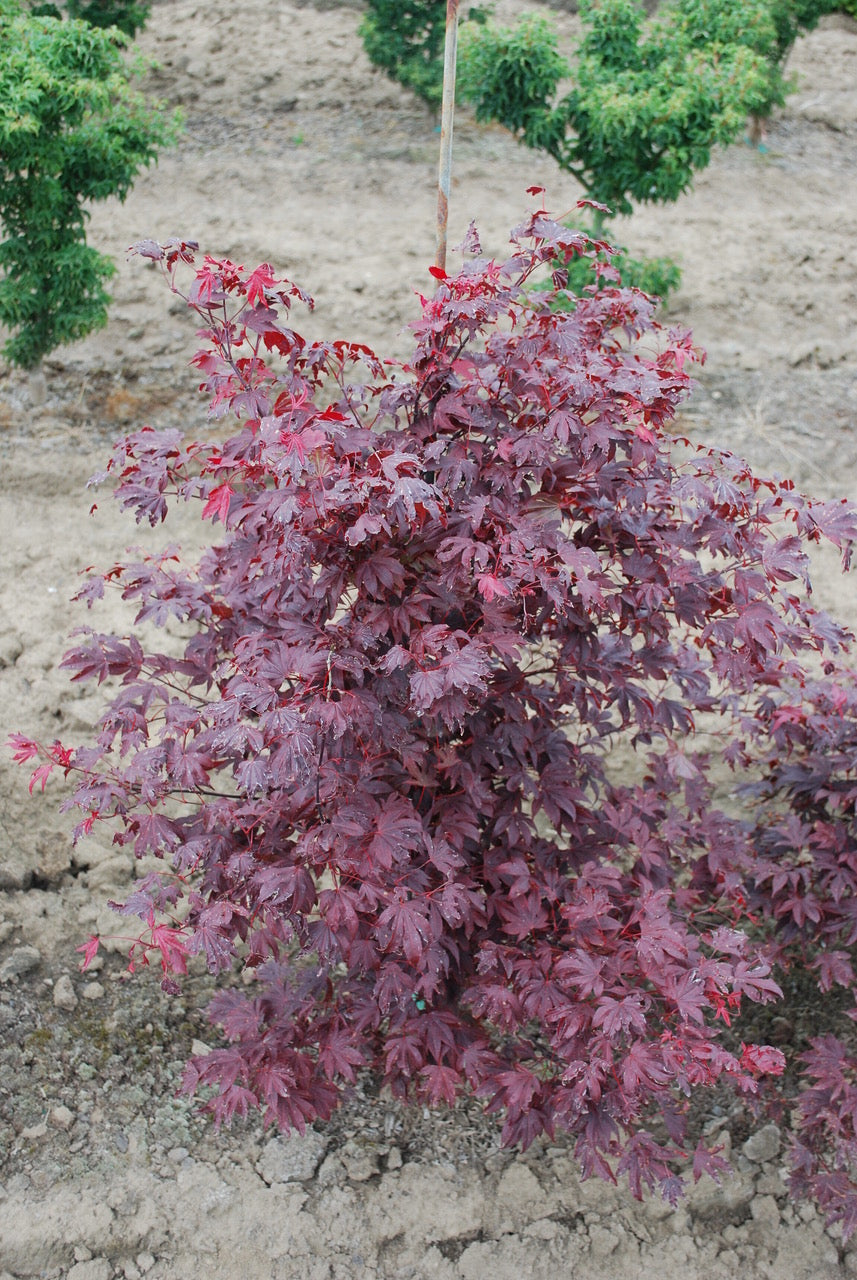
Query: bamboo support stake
(446,118)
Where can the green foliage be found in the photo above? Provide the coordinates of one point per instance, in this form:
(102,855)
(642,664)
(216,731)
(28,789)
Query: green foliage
(405,38)
(793,18)
(71,130)
(511,75)
(128,15)
(659,277)
(521,68)
(649,99)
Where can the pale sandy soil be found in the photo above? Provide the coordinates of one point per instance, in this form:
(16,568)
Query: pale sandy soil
(298,153)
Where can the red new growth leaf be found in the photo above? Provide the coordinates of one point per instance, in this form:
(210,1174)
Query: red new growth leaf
(217,506)
(492,587)
(763,1059)
(23,749)
(434,742)
(40,775)
(89,950)
(259,282)
(172,945)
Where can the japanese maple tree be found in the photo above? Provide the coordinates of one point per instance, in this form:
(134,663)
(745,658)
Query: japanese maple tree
(466,662)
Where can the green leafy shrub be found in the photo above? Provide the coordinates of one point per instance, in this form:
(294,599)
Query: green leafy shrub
(794,18)
(649,99)
(659,277)
(128,15)
(791,18)
(606,264)
(405,38)
(656,276)
(71,130)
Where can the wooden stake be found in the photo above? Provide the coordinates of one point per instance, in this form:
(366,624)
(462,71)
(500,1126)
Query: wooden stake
(446,118)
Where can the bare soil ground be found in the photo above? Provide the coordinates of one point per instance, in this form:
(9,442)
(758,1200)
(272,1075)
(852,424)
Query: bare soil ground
(299,154)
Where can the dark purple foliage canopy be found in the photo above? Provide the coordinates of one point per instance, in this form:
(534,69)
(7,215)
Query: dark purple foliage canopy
(477,656)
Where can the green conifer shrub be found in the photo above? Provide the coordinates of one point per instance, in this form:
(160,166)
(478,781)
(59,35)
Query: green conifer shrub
(72,130)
